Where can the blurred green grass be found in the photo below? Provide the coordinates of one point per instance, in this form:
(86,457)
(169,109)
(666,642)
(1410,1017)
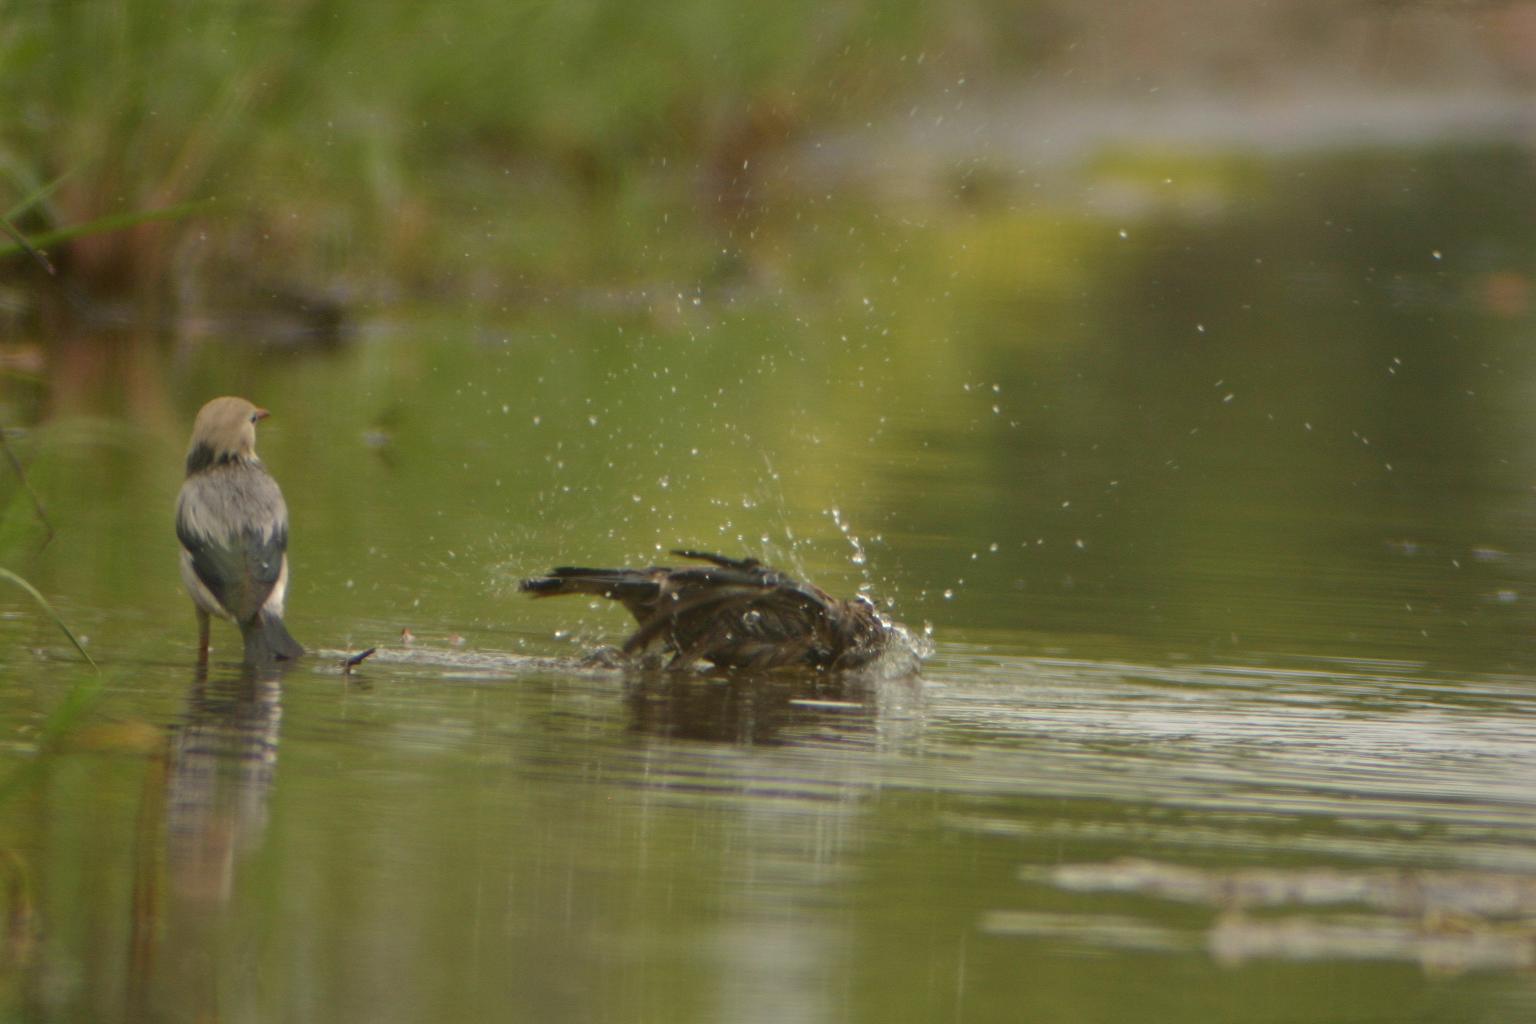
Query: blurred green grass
(369,139)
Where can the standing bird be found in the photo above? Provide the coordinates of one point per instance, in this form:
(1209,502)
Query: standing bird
(733,613)
(233,528)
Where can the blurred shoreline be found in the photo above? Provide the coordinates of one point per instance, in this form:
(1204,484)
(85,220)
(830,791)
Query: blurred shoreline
(1043,131)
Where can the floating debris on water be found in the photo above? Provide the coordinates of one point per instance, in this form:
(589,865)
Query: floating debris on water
(1447,921)
(352,661)
(1488,894)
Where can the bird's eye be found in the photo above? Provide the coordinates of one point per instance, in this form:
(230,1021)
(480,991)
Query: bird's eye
(255,418)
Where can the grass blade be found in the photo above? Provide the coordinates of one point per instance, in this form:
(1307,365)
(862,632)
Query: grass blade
(104,225)
(27,247)
(43,602)
(21,474)
(36,196)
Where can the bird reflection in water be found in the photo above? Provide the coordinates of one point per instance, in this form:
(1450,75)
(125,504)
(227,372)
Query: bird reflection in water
(207,794)
(754,709)
(222,760)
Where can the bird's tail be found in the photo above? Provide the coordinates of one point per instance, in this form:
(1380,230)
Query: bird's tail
(618,584)
(267,640)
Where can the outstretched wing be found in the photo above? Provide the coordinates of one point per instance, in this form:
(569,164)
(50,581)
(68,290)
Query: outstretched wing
(732,612)
(743,564)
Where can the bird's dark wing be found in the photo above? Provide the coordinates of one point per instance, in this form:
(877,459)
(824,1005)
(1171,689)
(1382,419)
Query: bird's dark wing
(743,564)
(234,526)
(691,611)
(737,620)
(241,571)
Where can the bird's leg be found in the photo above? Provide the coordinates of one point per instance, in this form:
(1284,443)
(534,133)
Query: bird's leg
(202,637)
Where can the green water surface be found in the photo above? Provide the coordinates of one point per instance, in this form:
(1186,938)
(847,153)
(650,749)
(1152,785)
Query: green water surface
(1221,522)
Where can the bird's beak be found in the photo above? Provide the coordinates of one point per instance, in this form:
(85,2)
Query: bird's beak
(260,414)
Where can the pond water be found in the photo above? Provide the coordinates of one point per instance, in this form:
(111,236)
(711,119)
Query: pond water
(1218,512)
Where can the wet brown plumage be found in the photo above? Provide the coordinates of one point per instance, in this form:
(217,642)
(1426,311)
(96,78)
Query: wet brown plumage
(732,613)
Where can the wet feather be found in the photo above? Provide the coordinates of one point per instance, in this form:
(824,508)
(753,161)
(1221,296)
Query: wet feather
(732,613)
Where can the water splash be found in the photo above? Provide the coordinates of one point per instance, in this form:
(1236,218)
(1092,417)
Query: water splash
(858,557)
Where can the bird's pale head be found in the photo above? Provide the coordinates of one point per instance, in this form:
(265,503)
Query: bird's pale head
(225,431)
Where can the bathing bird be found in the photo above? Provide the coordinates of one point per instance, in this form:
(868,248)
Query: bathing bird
(233,528)
(733,613)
